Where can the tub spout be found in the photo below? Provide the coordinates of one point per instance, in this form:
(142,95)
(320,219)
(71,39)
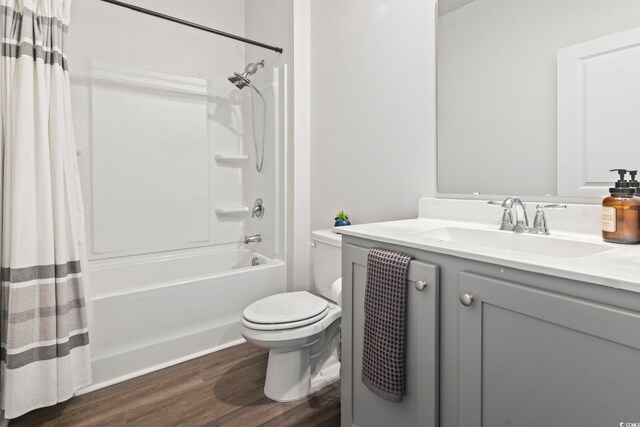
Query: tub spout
(256,238)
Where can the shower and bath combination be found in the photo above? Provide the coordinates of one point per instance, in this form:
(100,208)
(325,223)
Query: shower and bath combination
(241,80)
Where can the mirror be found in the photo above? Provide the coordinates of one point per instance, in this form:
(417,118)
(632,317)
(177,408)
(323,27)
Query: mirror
(537,97)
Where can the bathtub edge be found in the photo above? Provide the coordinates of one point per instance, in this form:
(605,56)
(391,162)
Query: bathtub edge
(97,386)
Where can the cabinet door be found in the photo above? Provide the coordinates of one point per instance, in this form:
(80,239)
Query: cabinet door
(419,407)
(535,358)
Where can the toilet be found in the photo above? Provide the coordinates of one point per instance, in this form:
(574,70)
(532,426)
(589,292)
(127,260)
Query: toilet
(301,330)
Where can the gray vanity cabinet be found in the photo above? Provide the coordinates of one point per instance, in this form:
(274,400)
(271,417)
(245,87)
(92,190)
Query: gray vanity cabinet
(419,407)
(495,346)
(530,357)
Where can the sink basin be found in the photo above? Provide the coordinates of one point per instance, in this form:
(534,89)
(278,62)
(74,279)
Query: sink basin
(523,243)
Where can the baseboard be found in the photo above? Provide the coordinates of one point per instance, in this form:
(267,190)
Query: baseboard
(138,373)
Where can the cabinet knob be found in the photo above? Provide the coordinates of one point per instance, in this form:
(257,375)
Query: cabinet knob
(466,299)
(420,284)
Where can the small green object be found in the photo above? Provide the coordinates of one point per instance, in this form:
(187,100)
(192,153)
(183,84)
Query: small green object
(342,215)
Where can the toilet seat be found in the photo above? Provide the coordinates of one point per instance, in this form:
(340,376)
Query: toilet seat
(286,310)
(290,337)
(288,325)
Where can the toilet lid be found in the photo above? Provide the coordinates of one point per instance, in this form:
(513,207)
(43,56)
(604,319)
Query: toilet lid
(285,308)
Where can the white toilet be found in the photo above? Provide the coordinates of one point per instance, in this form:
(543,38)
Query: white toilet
(301,330)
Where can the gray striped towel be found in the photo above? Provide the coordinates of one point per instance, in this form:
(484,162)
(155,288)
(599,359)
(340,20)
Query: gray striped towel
(385,324)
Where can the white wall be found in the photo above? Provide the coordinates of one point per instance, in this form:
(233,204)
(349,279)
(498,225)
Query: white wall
(446,6)
(299,259)
(372,108)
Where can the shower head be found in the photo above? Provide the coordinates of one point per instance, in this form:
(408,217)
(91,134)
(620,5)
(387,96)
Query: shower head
(239,81)
(242,80)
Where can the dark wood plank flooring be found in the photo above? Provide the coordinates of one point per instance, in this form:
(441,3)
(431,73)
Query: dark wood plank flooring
(221,389)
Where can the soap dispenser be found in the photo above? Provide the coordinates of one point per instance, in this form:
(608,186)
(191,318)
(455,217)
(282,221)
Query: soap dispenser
(620,212)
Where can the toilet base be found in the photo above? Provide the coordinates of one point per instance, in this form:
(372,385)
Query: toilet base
(325,377)
(301,360)
(290,377)
(295,373)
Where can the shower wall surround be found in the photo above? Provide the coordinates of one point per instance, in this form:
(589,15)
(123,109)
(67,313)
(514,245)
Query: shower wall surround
(163,178)
(150,172)
(131,178)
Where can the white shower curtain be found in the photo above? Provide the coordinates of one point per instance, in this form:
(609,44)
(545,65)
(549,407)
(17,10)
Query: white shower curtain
(44,357)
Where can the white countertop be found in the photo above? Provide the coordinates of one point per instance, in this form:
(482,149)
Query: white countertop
(618,267)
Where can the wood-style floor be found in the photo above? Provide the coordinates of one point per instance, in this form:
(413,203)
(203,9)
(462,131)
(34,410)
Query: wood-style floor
(221,389)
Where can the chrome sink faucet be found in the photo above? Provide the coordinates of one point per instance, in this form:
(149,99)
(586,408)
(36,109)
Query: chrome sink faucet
(514,215)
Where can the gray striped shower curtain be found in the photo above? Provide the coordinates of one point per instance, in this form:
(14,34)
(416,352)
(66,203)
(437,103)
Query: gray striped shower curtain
(44,354)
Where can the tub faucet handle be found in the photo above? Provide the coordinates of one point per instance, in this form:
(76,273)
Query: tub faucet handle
(258,209)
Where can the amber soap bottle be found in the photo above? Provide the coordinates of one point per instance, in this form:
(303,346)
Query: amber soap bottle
(620,221)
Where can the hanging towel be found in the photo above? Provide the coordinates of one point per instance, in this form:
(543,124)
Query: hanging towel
(385,324)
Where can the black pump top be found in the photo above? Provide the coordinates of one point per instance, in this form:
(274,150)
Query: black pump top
(622,186)
(633,182)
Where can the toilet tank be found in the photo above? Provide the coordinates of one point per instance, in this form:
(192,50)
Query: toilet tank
(326,256)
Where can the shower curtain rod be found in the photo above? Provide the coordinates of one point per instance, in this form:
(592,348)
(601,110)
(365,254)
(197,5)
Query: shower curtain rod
(191,24)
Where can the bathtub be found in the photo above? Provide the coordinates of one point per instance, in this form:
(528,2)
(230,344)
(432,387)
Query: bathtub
(154,311)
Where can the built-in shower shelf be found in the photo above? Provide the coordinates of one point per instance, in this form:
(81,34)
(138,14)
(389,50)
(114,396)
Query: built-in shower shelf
(232,210)
(231,159)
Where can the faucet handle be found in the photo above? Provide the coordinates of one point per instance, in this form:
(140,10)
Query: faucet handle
(540,224)
(507,223)
(551,206)
(258,209)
